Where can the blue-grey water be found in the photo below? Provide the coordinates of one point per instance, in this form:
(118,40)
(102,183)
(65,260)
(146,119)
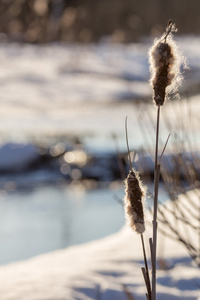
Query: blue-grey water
(54,217)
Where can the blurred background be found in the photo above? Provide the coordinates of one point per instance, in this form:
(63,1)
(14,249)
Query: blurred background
(70,73)
(42,21)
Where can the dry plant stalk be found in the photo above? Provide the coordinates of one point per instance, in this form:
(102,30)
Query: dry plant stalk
(127,292)
(184,210)
(135,193)
(165,62)
(133,205)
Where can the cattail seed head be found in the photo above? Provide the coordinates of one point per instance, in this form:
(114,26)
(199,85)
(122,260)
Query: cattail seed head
(133,202)
(165,62)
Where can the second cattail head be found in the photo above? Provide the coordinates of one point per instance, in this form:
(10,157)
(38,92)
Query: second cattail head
(133,202)
(165,62)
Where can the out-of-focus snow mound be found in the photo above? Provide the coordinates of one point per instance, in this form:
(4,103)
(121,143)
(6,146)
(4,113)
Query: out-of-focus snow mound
(64,88)
(105,269)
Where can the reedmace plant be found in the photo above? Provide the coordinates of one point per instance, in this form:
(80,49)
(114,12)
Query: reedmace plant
(165,63)
(135,194)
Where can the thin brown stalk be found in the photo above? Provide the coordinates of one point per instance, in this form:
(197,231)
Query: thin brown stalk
(138,193)
(164,148)
(190,247)
(129,155)
(156,185)
(146,270)
(119,158)
(127,293)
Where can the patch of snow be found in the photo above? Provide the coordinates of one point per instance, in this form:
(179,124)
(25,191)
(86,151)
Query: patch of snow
(101,269)
(61,89)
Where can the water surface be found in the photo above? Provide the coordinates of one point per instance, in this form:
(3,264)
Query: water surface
(50,218)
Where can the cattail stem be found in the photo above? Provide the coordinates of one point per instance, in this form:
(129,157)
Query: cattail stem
(165,63)
(157,135)
(198,251)
(129,155)
(146,270)
(156,185)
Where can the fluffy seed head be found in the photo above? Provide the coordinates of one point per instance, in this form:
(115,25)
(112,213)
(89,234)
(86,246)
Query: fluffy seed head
(133,202)
(165,63)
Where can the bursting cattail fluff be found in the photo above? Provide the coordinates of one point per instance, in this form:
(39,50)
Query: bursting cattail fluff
(165,63)
(133,202)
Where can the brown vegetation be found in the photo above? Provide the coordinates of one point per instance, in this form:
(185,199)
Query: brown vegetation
(39,21)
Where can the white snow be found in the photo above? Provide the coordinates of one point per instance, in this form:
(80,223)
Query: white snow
(60,89)
(103,269)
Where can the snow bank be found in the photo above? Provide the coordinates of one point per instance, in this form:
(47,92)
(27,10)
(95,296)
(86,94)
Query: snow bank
(102,269)
(62,89)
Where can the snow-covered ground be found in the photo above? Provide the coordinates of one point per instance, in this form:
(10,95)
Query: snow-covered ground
(60,90)
(107,269)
